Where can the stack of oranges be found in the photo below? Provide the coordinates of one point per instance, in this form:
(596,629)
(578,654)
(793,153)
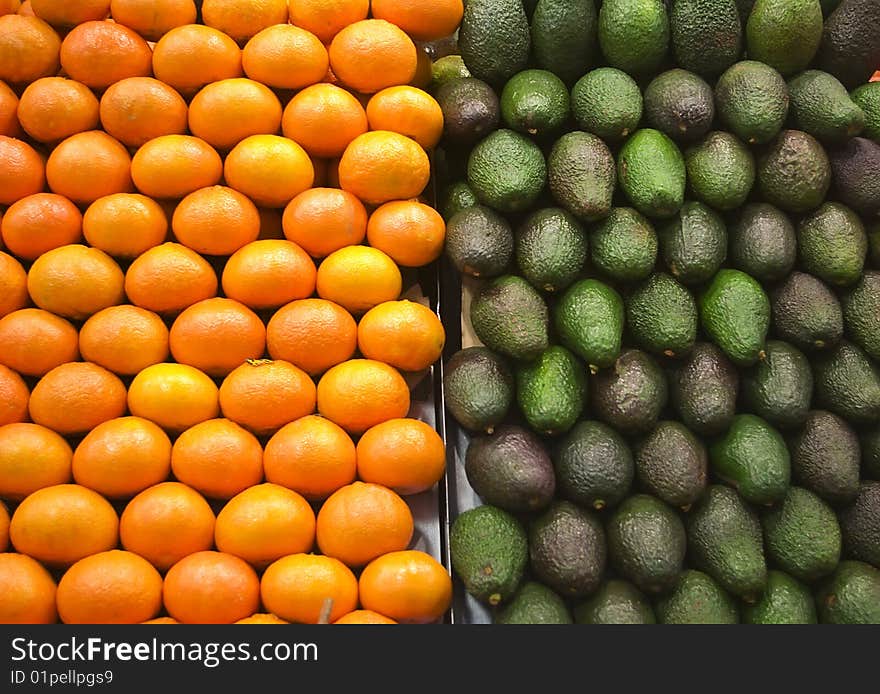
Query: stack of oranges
(207,217)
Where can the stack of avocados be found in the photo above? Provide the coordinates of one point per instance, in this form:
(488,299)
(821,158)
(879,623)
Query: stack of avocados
(673,212)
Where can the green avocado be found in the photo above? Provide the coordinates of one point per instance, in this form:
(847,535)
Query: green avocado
(680,104)
(589,321)
(551,249)
(704,387)
(794,173)
(751,99)
(861,309)
(581,175)
(720,170)
(652,173)
(779,388)
(851,595)
(661,315)
(706,35)
(607,102)
(825,457)
(535,102)
(479,242)
(694,243)
(479,388)
(494,39)
(624,245)
(534,603)
(634,34)
(510,317)
(821,106)
(552,390)
(848,384)
(671,464)
(785,601)
(806,313)
(833,245)
(784,34)
(763,243)
(564,36)
(631,395)
(697,599)
(615,602)
(507,171)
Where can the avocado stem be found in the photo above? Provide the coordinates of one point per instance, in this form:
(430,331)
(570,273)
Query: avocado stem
(599,504)
(594,369)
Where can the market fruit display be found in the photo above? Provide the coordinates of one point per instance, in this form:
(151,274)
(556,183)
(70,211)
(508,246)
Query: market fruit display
(668,384)
(217,328)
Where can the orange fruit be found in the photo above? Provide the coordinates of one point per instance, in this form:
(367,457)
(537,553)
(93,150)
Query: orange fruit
(358,278)
(285,57)
(100,53)
(13,284)
(4,527)
(27,591)
(323,220)
(22,171)
(9,125)
(405,334)
(191,56)
(29,49)
(242,19)
(410,232)
(271,170)
(262,618)
(75,281)
(218,458)
(409,586)
(217,335)
(269,273)
(173,166)
(297,586)
(61,524)
(167,522)
(364,617)
(372,54)
(324,119)
(31,457)
(76,397)
(161,620)
(312,456)
(25,8)
(33,341)
(124,339)
(361,393)
(264,523)
(174,396)
(168,278)
(211,588)
(14,396)
(409,111)
(405,455)
(264,395)
(225,113)
(125,225)
(381,166)
(216,221)
(424,21)
(114,587)
(325,18)
(122,457)
(139,109)
(40,222)
(54,108)
(313,334)
(152,19)
(67,14)
(362,521)
(88,166)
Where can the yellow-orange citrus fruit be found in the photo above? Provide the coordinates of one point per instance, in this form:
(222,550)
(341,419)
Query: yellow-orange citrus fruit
(410,232)
(124,225)
(174,396)
(61,524)
(211,588)
(312,456)
(217,335)
(189,57)
(218,457)
(409,586)
(405,334)
(173,166)
(27,591)
(216,221)
(381,166)
(68,14)
(269,273)
(285,57)
(167,522)
(226,112)
(362,521)
(364,617)
(373,54)
(22,171)
(29,49)
(168,278)
(409,111)
(14,396)
(324,119)
(75,398)
(54,108)
(296,588)
(242,19)
(75,281)
(263,395)
(325,18)
(323,220)
(358,278)
(152,19)
(139,109)
(124,339)
(122,457)
(38,223)
(88,166)
(99,53)
(31,457)
(424,21)
(262,618)
(405,455)
(33,341)
(361,393)
(113,587)
(271,170)
(264,523)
